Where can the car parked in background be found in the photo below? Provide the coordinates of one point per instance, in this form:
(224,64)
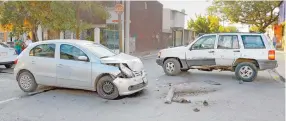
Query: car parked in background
(243,53)
(7,55)
(79,64)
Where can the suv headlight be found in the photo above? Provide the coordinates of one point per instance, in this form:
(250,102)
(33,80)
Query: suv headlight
(126,70)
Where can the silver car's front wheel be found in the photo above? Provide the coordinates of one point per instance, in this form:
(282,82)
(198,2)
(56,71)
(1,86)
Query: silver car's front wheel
(106,89)
(26,82)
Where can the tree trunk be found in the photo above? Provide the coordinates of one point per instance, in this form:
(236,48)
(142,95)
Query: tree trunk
(35,35)
(77,22)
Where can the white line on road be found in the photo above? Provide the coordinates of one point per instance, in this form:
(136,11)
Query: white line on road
(8,100)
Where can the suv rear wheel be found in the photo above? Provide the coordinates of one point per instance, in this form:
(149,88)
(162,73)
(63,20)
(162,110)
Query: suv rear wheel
(172,67)
(246,71)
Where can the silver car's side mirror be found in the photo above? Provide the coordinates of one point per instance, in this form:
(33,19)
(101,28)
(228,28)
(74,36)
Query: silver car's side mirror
(82,58)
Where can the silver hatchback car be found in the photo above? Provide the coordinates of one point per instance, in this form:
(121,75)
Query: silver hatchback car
(79,64)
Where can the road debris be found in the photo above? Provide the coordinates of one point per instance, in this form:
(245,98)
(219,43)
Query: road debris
(205,103)
(170,95)
(212,82)
(240,81)
(196,109)
(276,76)
(181,100)
(188,88)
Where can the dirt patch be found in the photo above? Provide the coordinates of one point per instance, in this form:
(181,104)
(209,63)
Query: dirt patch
(177,92)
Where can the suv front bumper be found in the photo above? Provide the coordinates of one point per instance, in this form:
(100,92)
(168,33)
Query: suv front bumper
(267,64)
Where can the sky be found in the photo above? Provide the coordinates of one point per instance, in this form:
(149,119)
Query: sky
(193,7)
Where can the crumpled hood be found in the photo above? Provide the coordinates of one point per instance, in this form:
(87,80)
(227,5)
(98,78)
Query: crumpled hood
(134,63)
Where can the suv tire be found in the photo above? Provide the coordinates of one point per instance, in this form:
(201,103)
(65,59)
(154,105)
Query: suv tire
(246,71)
(172,67)
(27,82)
(106,88)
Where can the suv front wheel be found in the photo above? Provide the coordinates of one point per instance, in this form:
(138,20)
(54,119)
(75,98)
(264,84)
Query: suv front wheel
(172,67)
(246,71)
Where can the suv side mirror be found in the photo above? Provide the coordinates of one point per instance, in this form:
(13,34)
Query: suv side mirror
(82,58)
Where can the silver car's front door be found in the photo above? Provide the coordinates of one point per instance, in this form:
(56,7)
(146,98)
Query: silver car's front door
(71,72)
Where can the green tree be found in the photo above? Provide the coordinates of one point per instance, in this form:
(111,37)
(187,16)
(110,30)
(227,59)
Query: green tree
(209,24)
(227,29)
(56,15)
(258,13)
(254,28)
(204,24)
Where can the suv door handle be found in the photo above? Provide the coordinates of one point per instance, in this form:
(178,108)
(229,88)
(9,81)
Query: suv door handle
(211,51)
(33,62)
(236,51)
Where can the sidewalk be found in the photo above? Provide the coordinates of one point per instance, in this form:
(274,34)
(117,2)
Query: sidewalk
(280,52)
(146,54)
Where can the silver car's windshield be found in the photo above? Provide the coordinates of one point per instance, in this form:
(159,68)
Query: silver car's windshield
(100,50)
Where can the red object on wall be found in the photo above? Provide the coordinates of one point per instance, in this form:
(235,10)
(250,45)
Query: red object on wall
(278,33)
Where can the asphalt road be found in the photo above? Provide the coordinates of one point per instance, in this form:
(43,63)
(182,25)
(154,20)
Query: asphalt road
(261,100)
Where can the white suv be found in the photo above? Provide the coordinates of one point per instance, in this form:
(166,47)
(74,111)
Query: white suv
(243,53)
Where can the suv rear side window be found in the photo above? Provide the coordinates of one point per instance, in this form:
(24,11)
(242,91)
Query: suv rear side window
(252,41)
(228,42)
(43,50)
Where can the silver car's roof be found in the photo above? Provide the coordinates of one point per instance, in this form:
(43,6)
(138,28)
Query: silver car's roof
(72,41)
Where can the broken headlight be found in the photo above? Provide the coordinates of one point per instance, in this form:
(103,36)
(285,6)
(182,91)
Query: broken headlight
(126,70)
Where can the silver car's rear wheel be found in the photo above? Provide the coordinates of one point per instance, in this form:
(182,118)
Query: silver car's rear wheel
(106,89)
(26,82)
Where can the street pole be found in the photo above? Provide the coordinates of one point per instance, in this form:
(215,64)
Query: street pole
(120,32)
(127,27)
(120,29)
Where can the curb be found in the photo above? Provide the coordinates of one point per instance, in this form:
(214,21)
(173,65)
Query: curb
(148,56)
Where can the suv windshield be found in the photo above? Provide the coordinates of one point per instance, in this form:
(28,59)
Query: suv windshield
(3,45)
(100,50)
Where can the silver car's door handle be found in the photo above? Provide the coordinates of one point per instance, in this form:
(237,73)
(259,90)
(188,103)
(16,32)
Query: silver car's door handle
(60,65)
(33,62)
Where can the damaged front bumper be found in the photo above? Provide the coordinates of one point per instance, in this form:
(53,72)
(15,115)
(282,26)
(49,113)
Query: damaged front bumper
(127,86)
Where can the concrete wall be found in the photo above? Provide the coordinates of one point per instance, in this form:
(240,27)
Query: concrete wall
(167,22)
(172,18)
(179,20)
